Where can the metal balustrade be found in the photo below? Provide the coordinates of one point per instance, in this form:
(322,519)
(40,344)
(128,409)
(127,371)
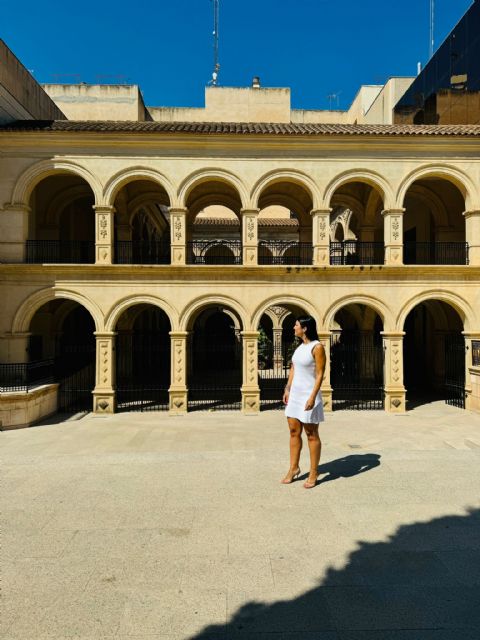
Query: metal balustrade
(60,252)
(436,253)
(285,252)
(26,375)
(218,251)
(142,252)
(353,252)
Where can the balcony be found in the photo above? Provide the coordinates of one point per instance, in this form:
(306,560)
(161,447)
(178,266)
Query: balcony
(353,252)
(448,253)
(60,252)
(218,251)
(26,376)
(142,252)
(284,252)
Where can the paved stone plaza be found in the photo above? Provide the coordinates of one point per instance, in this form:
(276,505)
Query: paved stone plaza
(145,526)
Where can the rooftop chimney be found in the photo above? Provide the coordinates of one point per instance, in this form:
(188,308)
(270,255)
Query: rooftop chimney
(256,82)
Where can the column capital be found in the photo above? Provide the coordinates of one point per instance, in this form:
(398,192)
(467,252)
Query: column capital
(179,334)
(472,213)
(249,212)
(103,208)
(104,334)
(178,210)
(326,211)
(471,335)
(393,212)
(250,334)
(15,336)
(396,335)
(324,335)
(17,206)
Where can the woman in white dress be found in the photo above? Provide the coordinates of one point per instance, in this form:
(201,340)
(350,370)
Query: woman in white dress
(303,400)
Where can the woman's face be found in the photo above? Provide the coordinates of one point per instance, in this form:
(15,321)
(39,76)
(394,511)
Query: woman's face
(298,330)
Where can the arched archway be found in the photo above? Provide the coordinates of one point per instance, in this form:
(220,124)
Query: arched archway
(356,358)
(61,221)
(215,359)
(62,334)
(143,359)
(434,354)
(276,344)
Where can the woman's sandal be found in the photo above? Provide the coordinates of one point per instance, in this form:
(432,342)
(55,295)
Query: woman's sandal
(294,477)
(310,485)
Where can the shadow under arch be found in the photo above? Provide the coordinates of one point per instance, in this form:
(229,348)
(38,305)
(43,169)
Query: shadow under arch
(366,176)
(138,173)
(121,306)
(420,583)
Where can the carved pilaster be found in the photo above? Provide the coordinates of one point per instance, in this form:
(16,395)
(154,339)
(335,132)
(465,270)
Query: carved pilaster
(249,236)
(393,371)
(321,236)
(14,347)
(393,236)
(104,234)
(250,388)
(472,236)
(277,352)
(326,387)
(471,389)
(104,392)
(14,233)
(178,235)
(178,391)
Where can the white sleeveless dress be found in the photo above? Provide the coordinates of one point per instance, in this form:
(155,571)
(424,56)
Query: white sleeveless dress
(302,386)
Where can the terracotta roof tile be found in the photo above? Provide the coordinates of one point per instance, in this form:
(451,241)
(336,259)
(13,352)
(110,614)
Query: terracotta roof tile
(245,128)
(262,222)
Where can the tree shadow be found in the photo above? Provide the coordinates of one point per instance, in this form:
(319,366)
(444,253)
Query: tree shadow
(348,466)
(422,583)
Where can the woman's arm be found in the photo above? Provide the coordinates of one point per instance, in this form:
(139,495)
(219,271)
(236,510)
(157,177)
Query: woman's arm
(288,386)
(320,360)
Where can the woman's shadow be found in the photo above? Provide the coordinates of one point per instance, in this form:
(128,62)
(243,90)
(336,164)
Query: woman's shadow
(348,466)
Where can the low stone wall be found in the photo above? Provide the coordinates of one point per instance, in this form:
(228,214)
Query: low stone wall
(474,399)
(20,409)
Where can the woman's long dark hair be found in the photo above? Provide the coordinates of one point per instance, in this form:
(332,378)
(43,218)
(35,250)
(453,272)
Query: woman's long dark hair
(308,323)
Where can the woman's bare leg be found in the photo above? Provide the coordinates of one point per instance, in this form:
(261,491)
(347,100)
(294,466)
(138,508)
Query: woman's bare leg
(295,427)
(315,447)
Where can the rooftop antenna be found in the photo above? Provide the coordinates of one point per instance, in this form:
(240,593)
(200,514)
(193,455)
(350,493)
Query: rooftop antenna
(216,65)
(432,27)
(334,97)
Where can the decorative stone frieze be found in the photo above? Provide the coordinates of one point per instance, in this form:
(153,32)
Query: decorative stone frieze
(178,235)
(249,236)
(250,388)
(104,234)
(393,236)
(321,236)
(326,388)
(178,392)
(104,392)
(393,371)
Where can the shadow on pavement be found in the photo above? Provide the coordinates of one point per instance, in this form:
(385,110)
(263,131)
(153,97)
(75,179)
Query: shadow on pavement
(348,466)
(422,583)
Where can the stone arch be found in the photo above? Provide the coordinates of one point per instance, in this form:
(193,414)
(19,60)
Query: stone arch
(279,300)
(211,175)
(62,200)
(368,301)
(32,176)
(459,304)
(121,306)
(433,202)
(442,171)
(286,175)
(133,174)
(191,311)
(26,311)
(367,176)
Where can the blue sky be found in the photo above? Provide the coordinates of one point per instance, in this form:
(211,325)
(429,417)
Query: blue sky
(316,47)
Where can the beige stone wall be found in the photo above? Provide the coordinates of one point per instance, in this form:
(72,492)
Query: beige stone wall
(381,110)
(21,409)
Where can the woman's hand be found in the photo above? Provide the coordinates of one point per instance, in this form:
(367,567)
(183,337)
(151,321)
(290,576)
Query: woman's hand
(286,394)
(310,403)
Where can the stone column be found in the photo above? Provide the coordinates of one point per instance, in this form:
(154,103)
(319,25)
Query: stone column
(250,388)
(393,371)
(14,347)
(15,233)
(278,364)
(472,236)
(321,236)
(472,374)
(393,236)
(249,236)
(178,391)
(178,235)
(104,392)
(104,234)
(326,388)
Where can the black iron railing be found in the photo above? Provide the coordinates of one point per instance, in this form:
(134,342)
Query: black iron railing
(60,251)
(142,252)
(284,252)
(353,252)
(435,253)
(217,251)
(25,376)
(476,353)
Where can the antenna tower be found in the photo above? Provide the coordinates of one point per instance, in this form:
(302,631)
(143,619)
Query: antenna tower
(216,65)
(432,27)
